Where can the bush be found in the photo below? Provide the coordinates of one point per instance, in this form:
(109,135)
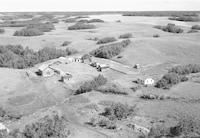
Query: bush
(91,21)
(106,40)
(185,69)
(102,122)
(70,20)
(127,35)
(95,21)
(48,127)
(18,57)
(66,43)
(193,31)
(112,50)
(185,18)
(196,27)
(154,97)
(112,89)
(91,85)
(43,27)
(79,26)
(2,31)
(118,111)
(170,79)
(28,32)
(172,28)
(156,35)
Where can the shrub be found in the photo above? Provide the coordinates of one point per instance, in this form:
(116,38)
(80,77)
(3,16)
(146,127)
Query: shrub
(156,35)
(43,27)
(154,97)
(102,122)
(185,18)
(118,111)
(172,28)
(66,43)
(112,89)
(91,21)
(79,26)
(112,50)
(127,35)
(70,20)
(196,27)
(106,40)
(28,32)
(18,57)
(95,21)
(48,127)
(91,85)
(170,79)
(186,69)
(193,31)
(2,31)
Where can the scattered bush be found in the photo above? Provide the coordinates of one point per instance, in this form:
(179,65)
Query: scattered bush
(102,122)
(48,127)
(2,31)
(118,111)
(185,18)
(18,57)
(170,79)
(172,28)
(79,26)
(112,50)
(187,127)
(93,39)
(134,89)
(16,23)
(43,27)
(95,21)
(91,85)
(112,89)
(106,40)
(91,21)
(185,69)
(127,35)
(66,43)
(193,31)
(70,20)
(156,35)
(196,27)
(161,13)
(28,32)
(154,97)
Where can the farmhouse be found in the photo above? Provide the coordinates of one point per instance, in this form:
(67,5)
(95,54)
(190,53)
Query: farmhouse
(149,82)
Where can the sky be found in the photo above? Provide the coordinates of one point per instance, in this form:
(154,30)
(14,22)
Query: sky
(98,5)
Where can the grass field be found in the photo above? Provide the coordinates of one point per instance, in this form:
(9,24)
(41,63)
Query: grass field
(34,96)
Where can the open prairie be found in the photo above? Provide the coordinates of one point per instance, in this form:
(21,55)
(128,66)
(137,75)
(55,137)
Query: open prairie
(112,85)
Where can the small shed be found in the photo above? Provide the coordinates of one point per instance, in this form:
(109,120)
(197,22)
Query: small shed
(79,59)
(45,71)
(65,77)
(149,82)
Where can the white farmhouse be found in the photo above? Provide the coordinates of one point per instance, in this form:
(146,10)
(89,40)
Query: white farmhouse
(149,82)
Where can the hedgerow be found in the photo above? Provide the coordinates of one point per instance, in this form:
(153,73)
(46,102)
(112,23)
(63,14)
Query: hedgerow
(111,50)
(15,56)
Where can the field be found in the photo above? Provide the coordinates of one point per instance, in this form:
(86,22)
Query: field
(32,96)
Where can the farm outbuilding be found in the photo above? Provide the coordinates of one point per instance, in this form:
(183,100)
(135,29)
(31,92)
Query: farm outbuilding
(45,71)
(65,77)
